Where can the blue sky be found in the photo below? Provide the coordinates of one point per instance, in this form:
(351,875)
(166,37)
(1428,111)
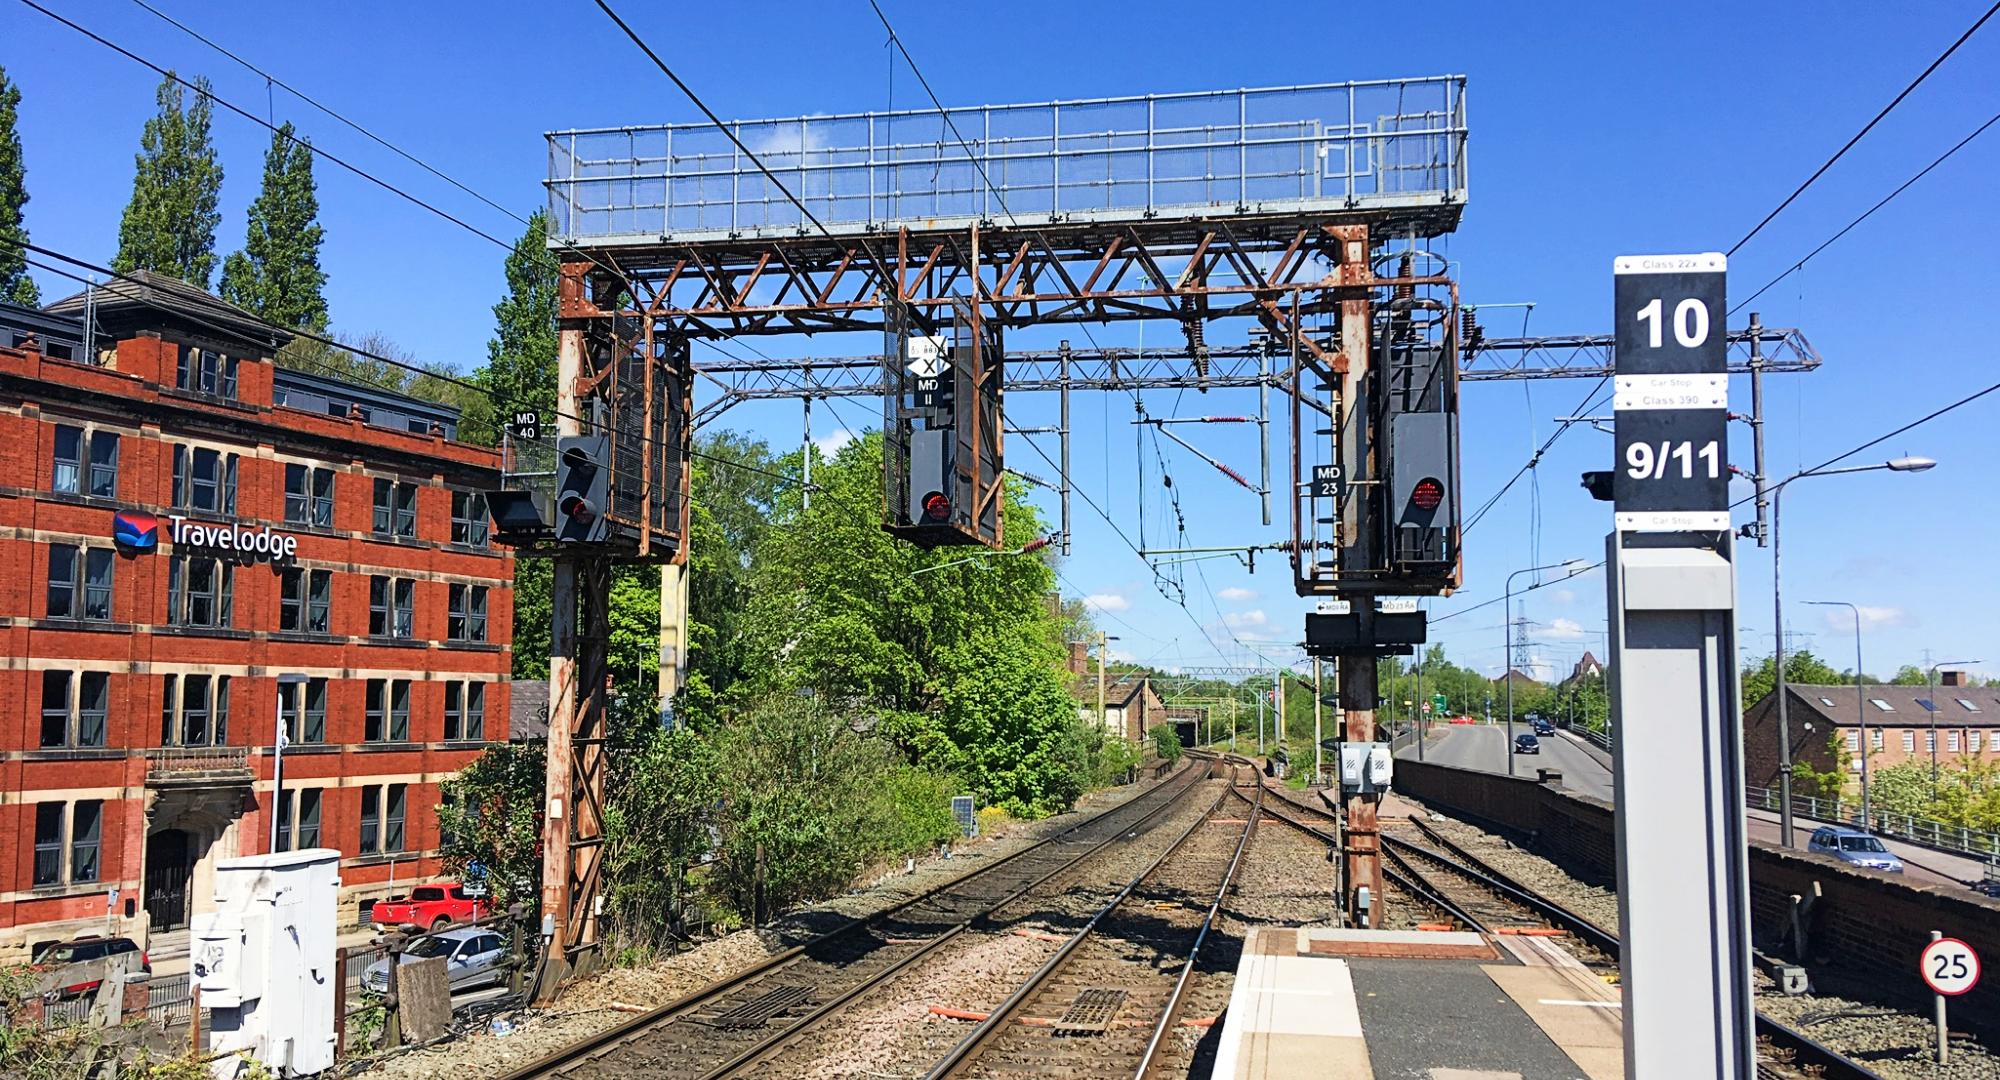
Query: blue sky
(1597,130)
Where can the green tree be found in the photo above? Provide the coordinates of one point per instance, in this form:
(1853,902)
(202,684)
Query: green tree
(491,816)
(520,371)
(15,284)
(736,489)
(1812,783)
(1802,668)
(1909,675)
(169,226)
(656,830)
(277,274)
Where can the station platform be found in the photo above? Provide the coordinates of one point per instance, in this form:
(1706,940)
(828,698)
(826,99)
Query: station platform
(1415,1005)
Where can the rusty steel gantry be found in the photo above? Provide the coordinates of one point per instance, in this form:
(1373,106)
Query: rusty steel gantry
(1297,216)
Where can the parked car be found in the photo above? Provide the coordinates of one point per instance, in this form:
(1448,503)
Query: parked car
(434,906)
(1854,847)
(472,957)
(59,954)
(1525,743)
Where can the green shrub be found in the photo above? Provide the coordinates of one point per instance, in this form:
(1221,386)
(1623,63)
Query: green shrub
(1167,742)
(918,807)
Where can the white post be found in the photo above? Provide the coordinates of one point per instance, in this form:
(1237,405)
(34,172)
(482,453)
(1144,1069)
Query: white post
(1943,1047)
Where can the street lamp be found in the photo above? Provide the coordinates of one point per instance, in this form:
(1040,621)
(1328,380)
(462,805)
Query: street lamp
(1930,688)
(1575,567)
(1901,464)
(1860,702)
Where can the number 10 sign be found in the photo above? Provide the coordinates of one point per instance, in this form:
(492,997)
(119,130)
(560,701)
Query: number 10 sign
(1672,393)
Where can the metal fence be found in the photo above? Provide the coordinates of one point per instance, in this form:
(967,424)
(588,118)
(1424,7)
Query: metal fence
(1387,145)
(1956,839)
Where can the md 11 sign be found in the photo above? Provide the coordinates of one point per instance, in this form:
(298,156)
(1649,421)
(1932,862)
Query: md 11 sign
(1671,395)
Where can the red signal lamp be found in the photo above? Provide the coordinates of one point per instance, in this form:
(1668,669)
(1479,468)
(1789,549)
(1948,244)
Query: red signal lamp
(937,507)
(1427,495)
(577,508)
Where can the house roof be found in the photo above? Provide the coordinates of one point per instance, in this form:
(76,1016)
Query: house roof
(1119,687)
(1957,706)
(142,298)
(528,710)
(1517,677)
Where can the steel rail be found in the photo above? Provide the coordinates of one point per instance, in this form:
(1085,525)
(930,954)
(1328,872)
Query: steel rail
(976,1040)
(1207,922)
(804,1025)
(569,1055)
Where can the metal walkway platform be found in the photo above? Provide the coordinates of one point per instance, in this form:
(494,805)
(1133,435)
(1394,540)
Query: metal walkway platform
(1384,150)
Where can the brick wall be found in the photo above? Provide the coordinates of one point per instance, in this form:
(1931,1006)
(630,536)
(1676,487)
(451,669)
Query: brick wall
(1862,919)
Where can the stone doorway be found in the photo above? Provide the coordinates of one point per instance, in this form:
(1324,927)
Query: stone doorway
(169,878)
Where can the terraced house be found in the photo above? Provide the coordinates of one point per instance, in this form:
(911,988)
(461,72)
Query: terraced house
(198,547)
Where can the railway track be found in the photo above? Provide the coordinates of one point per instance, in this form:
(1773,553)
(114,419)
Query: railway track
(742,1019)
(1107,1001)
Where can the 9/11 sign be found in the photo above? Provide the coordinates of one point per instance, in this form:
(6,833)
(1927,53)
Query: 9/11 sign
(1671,397)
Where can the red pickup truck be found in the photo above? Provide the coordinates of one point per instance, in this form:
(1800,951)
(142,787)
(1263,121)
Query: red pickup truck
(433,906)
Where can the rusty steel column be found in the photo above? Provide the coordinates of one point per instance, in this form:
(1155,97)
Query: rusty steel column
(1358,531)
(556,809)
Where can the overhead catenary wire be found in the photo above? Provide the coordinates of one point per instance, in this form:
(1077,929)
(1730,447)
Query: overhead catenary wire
(1870,212)
(1869,126)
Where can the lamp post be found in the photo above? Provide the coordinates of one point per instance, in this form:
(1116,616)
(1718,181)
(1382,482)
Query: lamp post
(1901,464)
(1860,704)
(1930,688)
(1575,567)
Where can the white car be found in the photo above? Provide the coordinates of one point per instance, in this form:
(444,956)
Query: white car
(473,957)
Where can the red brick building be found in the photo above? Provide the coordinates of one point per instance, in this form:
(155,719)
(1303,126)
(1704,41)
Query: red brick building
(194,543)
(1952,724)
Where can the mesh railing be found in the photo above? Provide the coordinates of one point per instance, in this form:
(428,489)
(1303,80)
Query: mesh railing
(1392,144)
(1956,839)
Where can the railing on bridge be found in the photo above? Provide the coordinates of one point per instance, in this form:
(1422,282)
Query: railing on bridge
(1393,146)
(1955,839)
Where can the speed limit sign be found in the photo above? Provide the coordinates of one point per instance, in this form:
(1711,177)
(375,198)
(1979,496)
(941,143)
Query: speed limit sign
(1950,967)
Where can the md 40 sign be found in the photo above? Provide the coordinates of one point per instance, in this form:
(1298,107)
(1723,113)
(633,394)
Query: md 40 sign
(1672,394)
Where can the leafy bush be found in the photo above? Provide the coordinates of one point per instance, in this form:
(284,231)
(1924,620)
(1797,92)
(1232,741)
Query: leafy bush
(993,821)
(918,805)
(1167,742)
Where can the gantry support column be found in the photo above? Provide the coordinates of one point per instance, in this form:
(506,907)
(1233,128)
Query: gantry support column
(1358,529)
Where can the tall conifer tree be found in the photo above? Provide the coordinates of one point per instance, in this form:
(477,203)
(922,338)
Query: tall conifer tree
(15,284)
(169,226)
(277,274)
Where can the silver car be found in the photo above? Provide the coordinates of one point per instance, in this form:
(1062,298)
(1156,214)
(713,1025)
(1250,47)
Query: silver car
(1854,847)
(472,957)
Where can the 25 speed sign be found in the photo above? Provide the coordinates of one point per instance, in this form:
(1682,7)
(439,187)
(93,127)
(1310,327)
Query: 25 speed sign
(1672,393)
(1950,967)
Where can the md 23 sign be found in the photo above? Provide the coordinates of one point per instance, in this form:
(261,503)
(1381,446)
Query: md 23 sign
(1672,393)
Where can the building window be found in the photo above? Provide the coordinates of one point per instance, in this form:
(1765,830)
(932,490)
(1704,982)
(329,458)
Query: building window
(68,476)
(1930,742)
(200,591)
(468,518)
(391,607)
(1966,705)
(1909,742)
(387,713)
(464,711)
(304,705)
(205,479)
(382,818)
(1853,742)
(308,495)
(305,599)
(48,843)
(1882,705)
(298,818)
(104,464)
(85,835)
(466,616)
(79,718)
(80,582)
(395,508)
(195,711)
(206,371)
(1875,739)
(1951,742)
(1972,741)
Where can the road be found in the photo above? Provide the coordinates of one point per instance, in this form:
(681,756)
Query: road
(1484,747)
(1586,770)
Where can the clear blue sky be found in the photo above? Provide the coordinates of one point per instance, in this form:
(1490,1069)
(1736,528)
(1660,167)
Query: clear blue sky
(1596,130)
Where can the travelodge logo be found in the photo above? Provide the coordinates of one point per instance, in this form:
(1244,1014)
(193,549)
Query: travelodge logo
(136,530)
(250,543)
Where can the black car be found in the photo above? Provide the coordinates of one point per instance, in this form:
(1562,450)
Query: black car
(1527,744)
(1541,726)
